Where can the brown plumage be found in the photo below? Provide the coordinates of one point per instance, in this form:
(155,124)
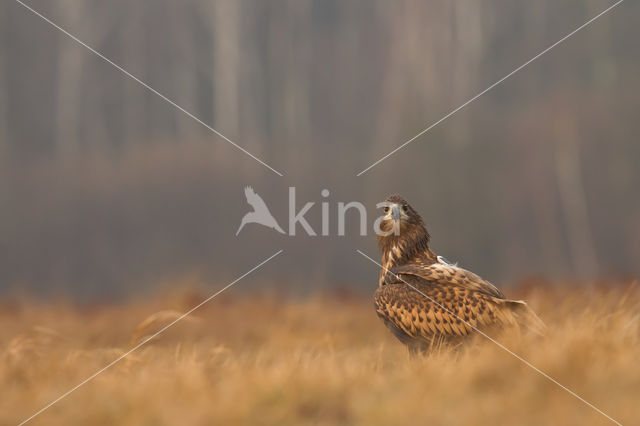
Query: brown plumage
(424,300)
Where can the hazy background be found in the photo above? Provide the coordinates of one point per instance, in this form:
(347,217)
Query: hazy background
(106,190)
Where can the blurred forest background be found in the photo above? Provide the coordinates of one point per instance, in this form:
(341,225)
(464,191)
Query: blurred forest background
(106,190)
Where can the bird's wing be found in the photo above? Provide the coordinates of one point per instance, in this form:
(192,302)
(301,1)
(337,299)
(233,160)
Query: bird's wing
(255,200)
(446,274)
(440,307)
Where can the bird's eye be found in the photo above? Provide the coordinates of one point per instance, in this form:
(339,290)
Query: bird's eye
(386,209)
(405,208)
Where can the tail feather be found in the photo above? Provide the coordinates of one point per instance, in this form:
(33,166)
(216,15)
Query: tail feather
(526,318)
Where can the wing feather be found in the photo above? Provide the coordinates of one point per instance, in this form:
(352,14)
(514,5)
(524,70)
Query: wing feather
(446,274)
(449,302)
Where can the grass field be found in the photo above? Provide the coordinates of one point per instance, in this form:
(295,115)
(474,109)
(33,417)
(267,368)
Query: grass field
(327,359)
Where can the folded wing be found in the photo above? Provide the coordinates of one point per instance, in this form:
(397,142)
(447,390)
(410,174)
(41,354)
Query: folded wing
(424,302)
(446,274)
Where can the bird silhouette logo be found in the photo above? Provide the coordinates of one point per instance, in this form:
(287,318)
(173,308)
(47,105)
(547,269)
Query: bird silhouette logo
(260,213)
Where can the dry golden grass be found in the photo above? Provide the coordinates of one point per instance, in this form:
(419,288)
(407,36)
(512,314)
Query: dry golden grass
(325,360)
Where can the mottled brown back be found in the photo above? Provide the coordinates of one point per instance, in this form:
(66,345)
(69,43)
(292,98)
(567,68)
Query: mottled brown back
(426,302)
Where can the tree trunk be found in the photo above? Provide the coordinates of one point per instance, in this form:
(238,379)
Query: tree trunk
(70,63)
(573,198)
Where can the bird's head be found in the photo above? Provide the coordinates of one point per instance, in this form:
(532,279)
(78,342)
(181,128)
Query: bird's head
(400,223)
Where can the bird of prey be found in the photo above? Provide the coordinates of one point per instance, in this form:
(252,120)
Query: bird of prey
(260,213)
(428,302)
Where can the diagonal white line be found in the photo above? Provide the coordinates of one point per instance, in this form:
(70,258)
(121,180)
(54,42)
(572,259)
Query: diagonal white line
(64,395)
(145,85)
(491,87)
(527,363)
